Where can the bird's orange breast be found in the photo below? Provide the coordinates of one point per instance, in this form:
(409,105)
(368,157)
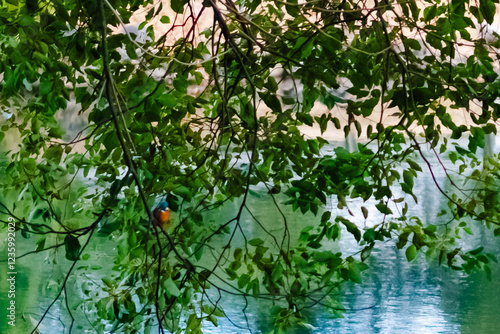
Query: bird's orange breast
(162,218)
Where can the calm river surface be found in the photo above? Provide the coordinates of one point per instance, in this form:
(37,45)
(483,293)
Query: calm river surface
(395,297)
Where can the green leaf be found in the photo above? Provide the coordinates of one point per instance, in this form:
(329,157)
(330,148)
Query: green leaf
(408,178)
(414,165)
(411,252)
(40,245)
(292,8)
(130,49)
(351,227)
(414,44)
(383,208)
(45,86)
(430,12)
(168,100)
(476,251)
(325,217)
(181,83)
(402,240)
(193,324)
(72,247)
(336,122)
(256,242)
(178,5)
(305,46)
(369,235)
(277,273)
(107,281)
(237,254)
(184,192)
(365,212)
(165,19)
(171,288)
(355,272)
(271,101)
(488,9)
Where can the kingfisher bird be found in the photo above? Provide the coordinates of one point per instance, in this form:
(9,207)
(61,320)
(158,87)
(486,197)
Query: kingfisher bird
(161,215)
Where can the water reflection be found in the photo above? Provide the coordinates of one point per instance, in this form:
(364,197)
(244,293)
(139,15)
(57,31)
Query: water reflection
(395,297)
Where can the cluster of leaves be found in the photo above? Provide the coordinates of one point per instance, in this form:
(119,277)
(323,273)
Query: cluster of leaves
(149,136)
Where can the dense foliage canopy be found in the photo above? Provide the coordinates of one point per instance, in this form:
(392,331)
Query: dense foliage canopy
(207,103)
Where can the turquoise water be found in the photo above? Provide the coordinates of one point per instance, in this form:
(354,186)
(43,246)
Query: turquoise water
(395,297)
